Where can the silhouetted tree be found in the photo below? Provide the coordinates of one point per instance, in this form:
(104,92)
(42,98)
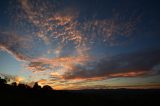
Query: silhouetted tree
(23,86)
(36,86)
(3,82)
(14,84)
(47,87)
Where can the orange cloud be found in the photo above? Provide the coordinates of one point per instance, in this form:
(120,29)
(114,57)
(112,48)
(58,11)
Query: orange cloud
(58,66)
(129,74)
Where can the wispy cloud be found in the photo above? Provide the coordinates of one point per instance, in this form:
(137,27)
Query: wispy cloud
(14,44)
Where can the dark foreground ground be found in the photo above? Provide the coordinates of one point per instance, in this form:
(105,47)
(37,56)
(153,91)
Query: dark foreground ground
(32,97)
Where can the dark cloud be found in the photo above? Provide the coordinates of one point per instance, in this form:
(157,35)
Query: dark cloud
(124,65)
(38,66)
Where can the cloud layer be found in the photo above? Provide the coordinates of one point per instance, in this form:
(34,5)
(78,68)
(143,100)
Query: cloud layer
(58,42)
(140,63)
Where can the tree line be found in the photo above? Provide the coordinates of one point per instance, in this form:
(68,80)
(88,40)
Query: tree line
(4,85)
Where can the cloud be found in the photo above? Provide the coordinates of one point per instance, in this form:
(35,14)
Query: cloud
(129,74)
(109,30)
(37,66)
(125,65)
(63,27)
(63,24)
(18,56)
(156,69)
(58,63)
(15,44)
(69,72)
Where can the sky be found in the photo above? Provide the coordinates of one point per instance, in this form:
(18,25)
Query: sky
(81,44)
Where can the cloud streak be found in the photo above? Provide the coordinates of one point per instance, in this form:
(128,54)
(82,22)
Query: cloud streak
(14,44)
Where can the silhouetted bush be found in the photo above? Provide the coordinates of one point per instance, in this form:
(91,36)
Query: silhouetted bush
(23,86)
(36,86)
(47,87)
(3,82)
(14,84)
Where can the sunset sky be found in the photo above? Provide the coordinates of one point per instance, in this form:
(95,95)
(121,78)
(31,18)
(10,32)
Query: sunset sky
(81,44)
